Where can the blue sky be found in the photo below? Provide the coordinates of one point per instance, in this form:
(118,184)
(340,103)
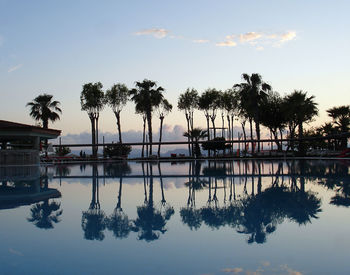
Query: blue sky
(57,46)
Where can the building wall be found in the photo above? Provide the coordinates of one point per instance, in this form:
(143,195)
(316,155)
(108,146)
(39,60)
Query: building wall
(19,157)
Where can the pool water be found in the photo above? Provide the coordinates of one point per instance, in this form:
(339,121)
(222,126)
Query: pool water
(228,217)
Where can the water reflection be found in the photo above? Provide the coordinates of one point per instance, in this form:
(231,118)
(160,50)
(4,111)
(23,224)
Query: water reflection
(93,221)
(251,197)
(29,186)
(151,221)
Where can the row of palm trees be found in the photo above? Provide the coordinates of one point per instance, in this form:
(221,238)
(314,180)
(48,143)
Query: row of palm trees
(253,101)
(146,95)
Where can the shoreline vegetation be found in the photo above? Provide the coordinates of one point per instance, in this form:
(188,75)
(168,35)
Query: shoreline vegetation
(253,104)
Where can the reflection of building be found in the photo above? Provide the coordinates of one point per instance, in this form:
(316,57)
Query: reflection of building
(20,143)
(22,185)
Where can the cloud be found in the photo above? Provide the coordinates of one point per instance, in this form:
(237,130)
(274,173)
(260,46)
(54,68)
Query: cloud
(201,41)
(15,68)
(290,271)
(259,40)
(235,270)
(15,252)
(288,36)
(155,32)
(249,36)
(227,43)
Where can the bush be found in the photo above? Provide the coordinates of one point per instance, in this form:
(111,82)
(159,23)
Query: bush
(117,150)
(215,144)
(62,151)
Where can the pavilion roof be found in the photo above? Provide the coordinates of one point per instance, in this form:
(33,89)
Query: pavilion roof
(9,128)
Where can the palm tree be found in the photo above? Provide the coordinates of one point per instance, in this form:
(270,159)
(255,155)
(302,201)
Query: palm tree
(147,96)
(187,102)
(300,109)
(341,118)
(272,115)
(252,92)
(164,108)
(196,134)
(92,101)
(116,98)
(43,109)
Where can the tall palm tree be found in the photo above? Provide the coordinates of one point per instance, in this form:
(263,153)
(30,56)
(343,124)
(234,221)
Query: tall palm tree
(92,101)
(196,134)
(252,93)
(300,109)
(272,115)
(117,97)
(147,96)
(188,102)
(164,108)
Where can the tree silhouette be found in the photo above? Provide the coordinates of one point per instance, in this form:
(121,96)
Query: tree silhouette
(93,221)
(147,96)
(164,109)
(150,222)
(45,214)
(188,102)
(42,108)
(117,97)
(92,101)
(252,92)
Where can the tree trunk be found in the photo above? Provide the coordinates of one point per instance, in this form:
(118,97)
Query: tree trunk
(93,134)
(143,137)
(244,136)
(213,123)
(96,136)
(302,148)
(207,117)
(160,134)
(251,134)
(149,120)
(188,131)
(223,124)
(117,116)
(257,129)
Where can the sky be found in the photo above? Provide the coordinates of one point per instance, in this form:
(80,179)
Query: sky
(57,46)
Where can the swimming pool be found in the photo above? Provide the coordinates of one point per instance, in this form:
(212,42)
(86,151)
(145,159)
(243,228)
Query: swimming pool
(204,217)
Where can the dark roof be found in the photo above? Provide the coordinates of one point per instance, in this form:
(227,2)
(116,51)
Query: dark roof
(10,126)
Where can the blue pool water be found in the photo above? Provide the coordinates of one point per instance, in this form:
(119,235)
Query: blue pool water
(235,217)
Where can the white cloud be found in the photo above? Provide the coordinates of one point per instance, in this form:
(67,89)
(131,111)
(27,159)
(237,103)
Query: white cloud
(235,270)
(14,68)
(155,32)
(288,36)
(227,43)
(201,41)
(249,36)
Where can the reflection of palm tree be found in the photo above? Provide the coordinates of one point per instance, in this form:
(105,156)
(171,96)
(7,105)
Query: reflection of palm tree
(119,222)
(45,214)
(93,220)
(150,221)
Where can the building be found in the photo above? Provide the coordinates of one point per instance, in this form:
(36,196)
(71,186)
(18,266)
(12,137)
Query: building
(21,143)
